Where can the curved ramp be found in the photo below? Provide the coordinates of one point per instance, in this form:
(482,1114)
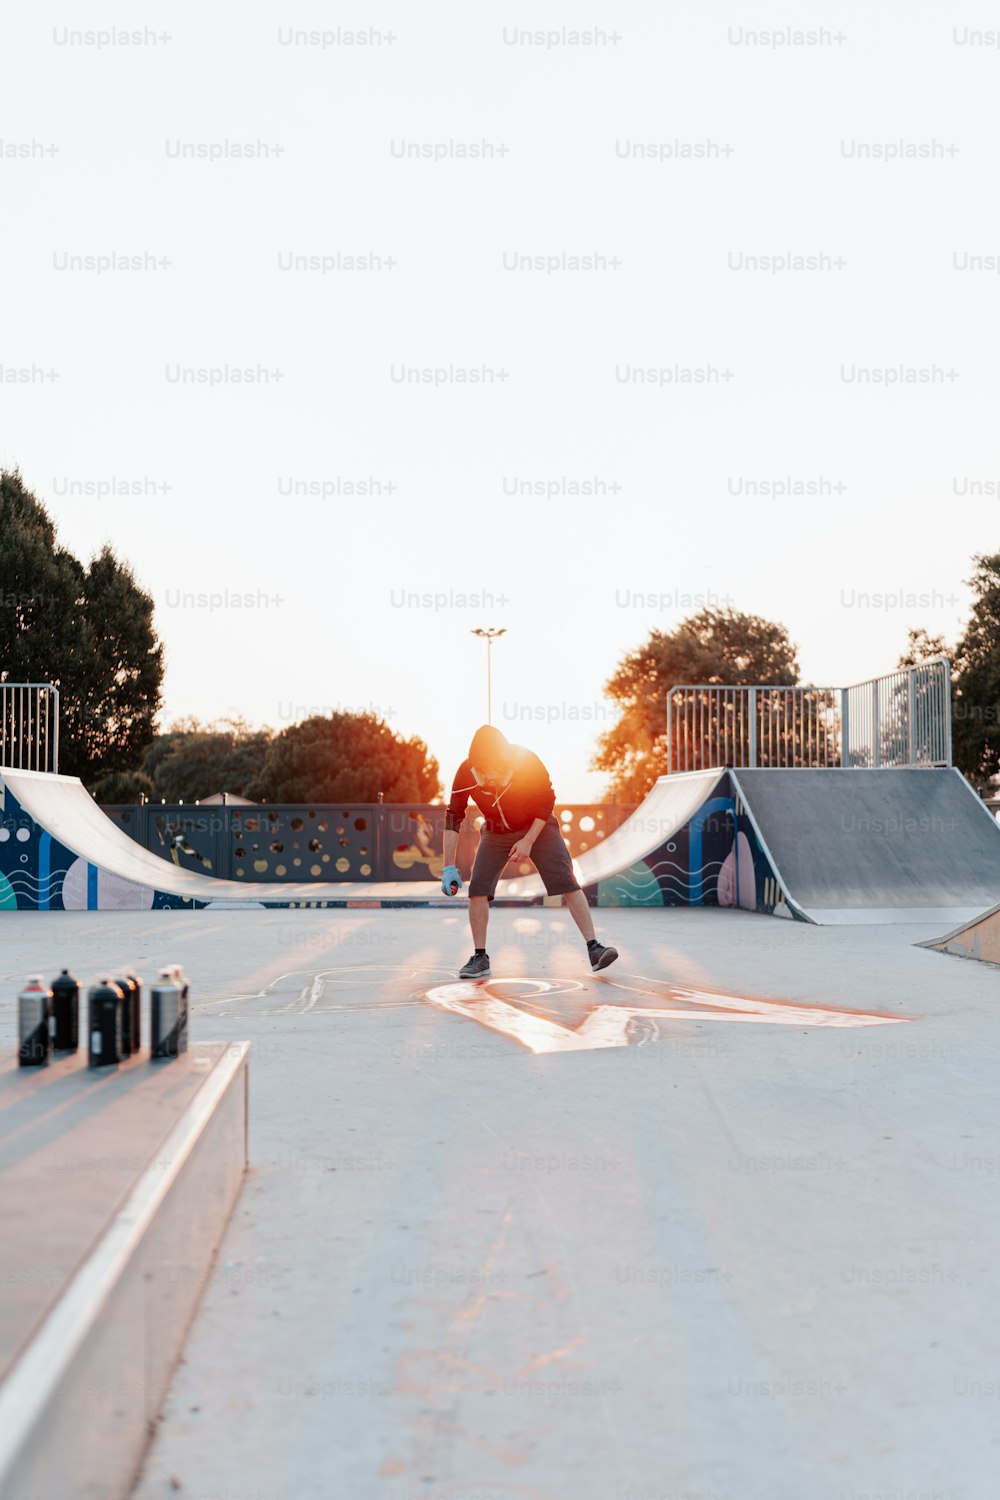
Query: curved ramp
(112,870)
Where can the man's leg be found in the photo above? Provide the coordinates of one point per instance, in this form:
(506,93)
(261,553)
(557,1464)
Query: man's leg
(556,869)
(491,856)
(579,908)
(479,916)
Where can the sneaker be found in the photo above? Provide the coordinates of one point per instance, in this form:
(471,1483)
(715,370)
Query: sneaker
(478,967)
(600,957)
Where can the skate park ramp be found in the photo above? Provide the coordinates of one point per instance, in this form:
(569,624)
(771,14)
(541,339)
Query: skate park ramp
(859,845)
(979,938)
(62,809)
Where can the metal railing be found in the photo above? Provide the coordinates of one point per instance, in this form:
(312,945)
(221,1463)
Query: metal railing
(29,726)
(901,719)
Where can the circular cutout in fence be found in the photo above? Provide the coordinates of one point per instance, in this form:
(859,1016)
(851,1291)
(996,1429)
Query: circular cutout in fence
(323,827)
(326,859)
(314,846)
(297,825)
(343,865)
(260,865)
(361,824)
(277,847)
(241,872)
(366,869)
(23,835)
(280,870)
(240,853)
(314,870)
(566,815)
(4,835)
(587,824)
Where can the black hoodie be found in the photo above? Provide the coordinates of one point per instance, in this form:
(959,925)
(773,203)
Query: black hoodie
(527,796)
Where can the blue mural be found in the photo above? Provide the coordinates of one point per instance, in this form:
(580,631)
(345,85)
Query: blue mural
(716,859)
(37,873)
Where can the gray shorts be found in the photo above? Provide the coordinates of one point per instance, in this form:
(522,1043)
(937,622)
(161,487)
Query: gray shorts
(549,855)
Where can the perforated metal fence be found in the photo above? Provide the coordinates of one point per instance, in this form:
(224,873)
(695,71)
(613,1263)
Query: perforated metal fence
(361,842)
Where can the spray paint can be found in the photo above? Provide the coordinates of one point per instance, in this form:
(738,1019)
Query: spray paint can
(131,989)
(34,1024)
(66,1013)
(184,985)
(106,1004)
(164,1016)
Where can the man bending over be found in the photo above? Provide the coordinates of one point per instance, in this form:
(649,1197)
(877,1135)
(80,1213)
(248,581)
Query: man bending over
(512,790)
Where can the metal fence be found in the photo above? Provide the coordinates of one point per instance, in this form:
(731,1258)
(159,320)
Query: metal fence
(901,719)
(29,726)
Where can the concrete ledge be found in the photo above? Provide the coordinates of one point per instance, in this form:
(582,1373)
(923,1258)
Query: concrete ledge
(78,1400)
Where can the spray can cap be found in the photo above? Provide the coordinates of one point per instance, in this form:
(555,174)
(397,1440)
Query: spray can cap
(35,982)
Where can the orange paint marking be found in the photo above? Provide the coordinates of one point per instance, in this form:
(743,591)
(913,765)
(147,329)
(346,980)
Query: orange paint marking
(608,1025)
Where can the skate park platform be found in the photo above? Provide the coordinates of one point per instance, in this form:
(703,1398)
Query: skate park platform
(115,1187)
(740,1250)
(978,938)
(898,845)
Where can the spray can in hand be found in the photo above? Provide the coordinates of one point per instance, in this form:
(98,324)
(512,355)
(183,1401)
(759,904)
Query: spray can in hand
(34,1024)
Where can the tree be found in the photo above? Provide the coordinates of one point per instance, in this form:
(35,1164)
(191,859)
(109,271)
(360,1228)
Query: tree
(920,646)
(87,629)
(122,787)
(713,646)
(976,697)
(346,757)
(193,760)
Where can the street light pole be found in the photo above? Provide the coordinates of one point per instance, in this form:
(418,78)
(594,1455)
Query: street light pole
(489,636)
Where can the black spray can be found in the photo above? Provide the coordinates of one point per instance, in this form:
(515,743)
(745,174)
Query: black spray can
(131,988)
(164,1016)
(34,1021)
(66,1013)
(105,1024)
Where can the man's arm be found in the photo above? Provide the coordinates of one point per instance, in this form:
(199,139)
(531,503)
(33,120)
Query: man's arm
(455,815)
(522,849)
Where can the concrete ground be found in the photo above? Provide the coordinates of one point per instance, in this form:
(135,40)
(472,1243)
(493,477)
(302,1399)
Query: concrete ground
(744,1258)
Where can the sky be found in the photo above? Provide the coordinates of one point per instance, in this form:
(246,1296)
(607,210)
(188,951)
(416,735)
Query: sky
(695,312)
